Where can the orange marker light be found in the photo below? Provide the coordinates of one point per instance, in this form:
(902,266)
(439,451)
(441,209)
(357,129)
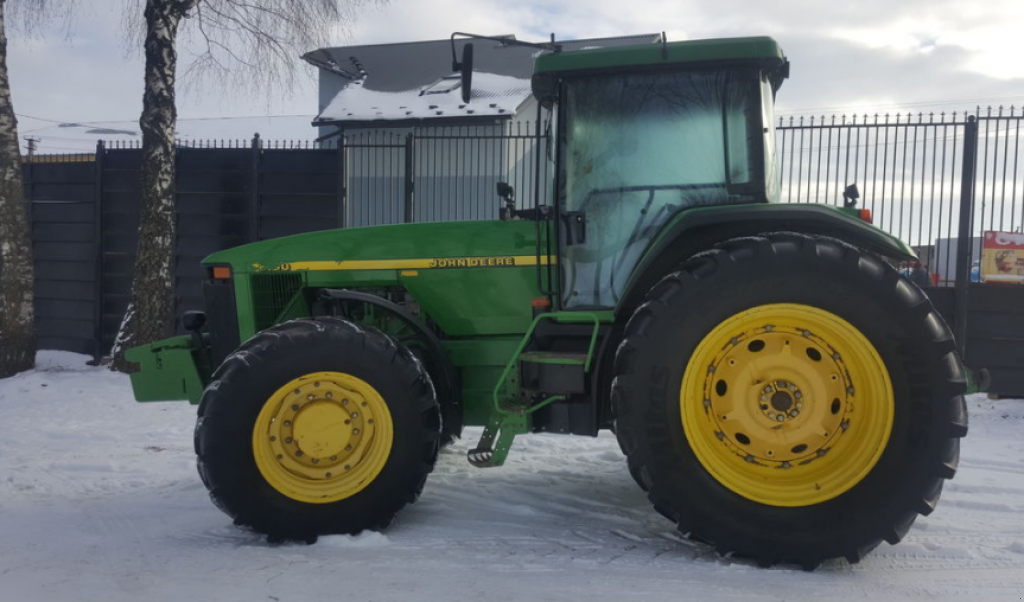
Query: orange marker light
(222,273)
(540,302)
(865,214)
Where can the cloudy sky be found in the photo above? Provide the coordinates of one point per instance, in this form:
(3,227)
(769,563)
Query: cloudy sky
(864,56)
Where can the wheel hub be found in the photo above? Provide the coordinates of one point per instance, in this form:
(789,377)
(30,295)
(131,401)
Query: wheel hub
(322,437)
(778,393)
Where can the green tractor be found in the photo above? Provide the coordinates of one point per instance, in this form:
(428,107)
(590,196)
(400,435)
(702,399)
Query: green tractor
(779,390)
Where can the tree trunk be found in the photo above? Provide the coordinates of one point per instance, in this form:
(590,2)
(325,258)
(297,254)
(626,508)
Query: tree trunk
(17,317)
(150,313)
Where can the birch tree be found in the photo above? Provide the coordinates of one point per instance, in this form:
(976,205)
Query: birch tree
(17,315)
(249,43)
(17,329)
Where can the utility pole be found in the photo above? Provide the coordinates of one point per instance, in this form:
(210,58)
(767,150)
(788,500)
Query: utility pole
(31,143)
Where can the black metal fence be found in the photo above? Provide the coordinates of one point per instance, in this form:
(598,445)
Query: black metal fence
(929,179)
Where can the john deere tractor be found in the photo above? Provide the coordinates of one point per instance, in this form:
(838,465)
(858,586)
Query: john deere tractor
(779,390)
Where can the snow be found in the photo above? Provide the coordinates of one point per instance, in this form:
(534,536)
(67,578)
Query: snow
(492,95)
(100,501)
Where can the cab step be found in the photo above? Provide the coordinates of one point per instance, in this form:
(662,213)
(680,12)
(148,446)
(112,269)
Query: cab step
(532,380)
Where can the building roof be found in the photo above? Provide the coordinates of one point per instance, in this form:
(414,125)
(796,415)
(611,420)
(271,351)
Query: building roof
(689,51)
(407,81)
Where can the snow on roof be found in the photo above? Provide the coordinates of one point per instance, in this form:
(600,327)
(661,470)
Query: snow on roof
(406,69)
(493,95)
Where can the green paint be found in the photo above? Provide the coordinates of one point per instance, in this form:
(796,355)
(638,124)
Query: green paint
(673,53)
(168,370)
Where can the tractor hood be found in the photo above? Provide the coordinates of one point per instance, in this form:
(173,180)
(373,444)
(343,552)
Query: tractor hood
(403,246)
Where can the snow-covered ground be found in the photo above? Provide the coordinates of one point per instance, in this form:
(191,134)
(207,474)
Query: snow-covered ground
(100,501)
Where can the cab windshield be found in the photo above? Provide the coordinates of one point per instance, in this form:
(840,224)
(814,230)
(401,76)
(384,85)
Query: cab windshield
(638,148)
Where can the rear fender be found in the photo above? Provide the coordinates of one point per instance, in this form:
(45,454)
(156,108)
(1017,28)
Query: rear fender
(701,228)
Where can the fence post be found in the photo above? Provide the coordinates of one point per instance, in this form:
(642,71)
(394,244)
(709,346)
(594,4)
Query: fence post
(101,151)
(342,190)
(254,189)
(409,181)
(965,242)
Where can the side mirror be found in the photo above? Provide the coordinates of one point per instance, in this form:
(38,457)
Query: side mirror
(466,72)
(193,320)
(850,196)
(505,191)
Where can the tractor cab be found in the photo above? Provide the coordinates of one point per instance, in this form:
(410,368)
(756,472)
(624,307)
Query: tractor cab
(646,132)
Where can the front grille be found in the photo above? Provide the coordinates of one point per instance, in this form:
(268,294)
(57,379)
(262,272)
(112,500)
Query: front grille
(271,294)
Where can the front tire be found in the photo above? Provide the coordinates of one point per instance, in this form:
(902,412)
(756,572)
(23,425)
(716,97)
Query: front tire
(789,399)
(315,427)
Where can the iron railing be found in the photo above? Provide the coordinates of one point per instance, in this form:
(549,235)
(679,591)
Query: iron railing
(931,180)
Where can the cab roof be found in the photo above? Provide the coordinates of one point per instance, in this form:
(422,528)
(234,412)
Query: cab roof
(760,49)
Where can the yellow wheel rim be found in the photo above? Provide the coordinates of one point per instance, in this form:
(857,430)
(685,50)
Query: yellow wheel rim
(787,405)
(322,437)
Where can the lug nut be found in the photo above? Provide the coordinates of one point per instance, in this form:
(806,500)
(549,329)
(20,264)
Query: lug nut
(355,414)
(287,422)
(344,402)
(329,395)
(327,475)
(780,418)
(310,397)
(295,407)
(288,440)
(355,431)
(348,467)
(272,438)
(299,454)
(348,448)
(316,460)
(333,458)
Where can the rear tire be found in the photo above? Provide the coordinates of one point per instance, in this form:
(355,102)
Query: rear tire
(274,407)
(735,486)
